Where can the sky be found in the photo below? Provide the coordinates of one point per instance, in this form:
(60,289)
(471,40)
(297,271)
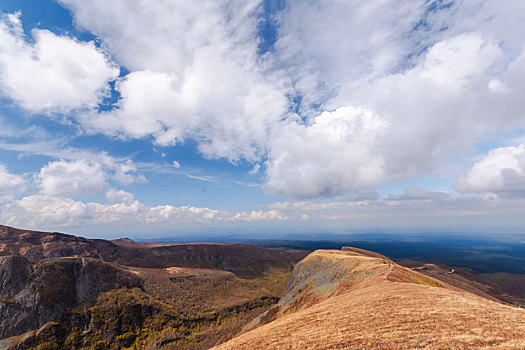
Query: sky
(158,119)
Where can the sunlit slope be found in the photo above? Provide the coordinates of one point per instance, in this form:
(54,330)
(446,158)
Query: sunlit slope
(354,298)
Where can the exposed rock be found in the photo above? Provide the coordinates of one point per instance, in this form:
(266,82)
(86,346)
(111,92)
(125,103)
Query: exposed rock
(33,293)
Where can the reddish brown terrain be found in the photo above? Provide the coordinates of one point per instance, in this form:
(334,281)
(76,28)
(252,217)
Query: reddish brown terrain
(65,292)
(60,291)
(243,260)
(353,299)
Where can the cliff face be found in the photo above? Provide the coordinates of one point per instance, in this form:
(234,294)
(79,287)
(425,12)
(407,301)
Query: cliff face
(33,293)
(358,299)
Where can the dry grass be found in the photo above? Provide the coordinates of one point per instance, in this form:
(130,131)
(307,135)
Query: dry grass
(425,281)
(396,309)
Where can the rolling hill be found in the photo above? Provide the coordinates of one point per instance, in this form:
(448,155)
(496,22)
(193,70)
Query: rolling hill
(354,299)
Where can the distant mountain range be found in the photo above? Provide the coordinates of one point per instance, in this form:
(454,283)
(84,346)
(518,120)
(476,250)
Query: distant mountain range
(243,260)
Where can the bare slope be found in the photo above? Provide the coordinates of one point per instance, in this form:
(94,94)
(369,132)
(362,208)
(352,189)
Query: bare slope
(357,299)
(244,260)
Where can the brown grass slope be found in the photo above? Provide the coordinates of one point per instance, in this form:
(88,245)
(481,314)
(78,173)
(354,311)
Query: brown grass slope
(506,287)
(352,299)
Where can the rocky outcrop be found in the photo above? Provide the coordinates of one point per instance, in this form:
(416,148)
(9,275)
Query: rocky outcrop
(35,292)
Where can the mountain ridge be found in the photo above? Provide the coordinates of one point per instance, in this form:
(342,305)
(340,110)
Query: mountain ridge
(340,299)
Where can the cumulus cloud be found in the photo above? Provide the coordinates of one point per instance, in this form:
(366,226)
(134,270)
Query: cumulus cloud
(326,45)
(84,176)
(51,211)
(260,215)
(341,151)
(119,196)
(352,94)
(449,63)
(9,182)
(195,74)
(63,178)
(55,73)
(501,170)
(448,76)
(440,107)
(404,84)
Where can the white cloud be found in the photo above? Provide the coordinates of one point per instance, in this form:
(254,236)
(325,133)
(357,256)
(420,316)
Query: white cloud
(63,178)
(326,45)
(388,90)
(176,164)
(119,196)
(429,83)
(449,63)
(195,74)
(9,182)
(448,77)
(260,215)
(53,211)
(55,73)
(255,169)
(341,151)
(440,107)
(501,170)
(84,175)
(124,171)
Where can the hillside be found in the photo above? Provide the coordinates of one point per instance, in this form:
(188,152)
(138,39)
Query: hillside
(243,260)
(61,291)
(357,299)
(506,287)
(33,293)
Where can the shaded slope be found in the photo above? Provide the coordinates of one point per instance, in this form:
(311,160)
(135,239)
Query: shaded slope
(506,287)
(33,293)
(347,299)
(175,308)
(103,294)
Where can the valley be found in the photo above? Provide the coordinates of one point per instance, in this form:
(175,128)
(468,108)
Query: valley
(60,291)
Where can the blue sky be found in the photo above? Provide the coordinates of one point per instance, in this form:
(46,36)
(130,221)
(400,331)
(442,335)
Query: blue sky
(262,117)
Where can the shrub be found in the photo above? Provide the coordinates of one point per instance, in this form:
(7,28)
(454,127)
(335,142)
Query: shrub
(8,300)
